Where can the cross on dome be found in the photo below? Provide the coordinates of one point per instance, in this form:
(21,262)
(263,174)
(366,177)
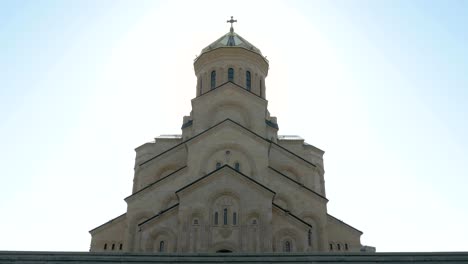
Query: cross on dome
(232,20)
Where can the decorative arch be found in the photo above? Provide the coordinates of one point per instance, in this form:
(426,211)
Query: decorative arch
(253,225)
(224,245)
(282,201)
(316,230)
(166,170)
(291,172)
(287,235)
(232,110)
(134,240)
(225,204)
(169,201)
(237,153)
(165,235)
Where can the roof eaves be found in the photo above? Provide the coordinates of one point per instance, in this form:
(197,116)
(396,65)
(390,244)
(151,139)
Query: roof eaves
(298,183)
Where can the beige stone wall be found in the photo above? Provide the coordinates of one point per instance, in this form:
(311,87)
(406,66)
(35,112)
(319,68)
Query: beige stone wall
(229,157)
(342,237)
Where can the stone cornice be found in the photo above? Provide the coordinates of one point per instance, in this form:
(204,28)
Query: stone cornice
(298,183)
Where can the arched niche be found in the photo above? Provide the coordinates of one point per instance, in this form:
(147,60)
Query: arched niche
(229,110)
(287,235)
(164,235)
(282,202)
(316,230)
(225,206)
(228,154)
(292,173)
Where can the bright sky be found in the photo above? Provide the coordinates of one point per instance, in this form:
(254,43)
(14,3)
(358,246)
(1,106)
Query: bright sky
(381,86)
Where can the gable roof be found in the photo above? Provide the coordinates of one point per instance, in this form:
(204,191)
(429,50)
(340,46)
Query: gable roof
(225,85)
(291,214)
(223,168)
(159,214)
(155,182)
(298,183)
(219,124)
(113,220)
(338,220)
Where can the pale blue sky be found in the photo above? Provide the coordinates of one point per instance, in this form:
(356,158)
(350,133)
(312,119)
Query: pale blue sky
(381,86)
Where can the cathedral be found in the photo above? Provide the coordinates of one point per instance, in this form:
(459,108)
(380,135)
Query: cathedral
(228,182)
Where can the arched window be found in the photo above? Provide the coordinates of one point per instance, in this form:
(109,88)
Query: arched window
(161,246)
(254,221)
(346,246)
(105,246)
(120,247)
(309,237)
(287,246)
(237,166)
(234,218)
(331,247)
(225,216)
(113,246)
(248,82)
(195,221)
(218,165)
(231,74)
(213,79)
(216,218)
(338,246)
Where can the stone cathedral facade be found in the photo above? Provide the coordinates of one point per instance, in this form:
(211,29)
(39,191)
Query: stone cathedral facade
(229,182)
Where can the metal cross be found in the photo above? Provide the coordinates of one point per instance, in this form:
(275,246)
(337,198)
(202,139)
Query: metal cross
(231,21)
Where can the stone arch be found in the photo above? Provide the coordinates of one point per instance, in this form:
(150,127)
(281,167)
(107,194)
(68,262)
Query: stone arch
(133,229)
(166,170)
(226,199)
(287,234)
(253,231)
(283,202)
(161,234)
(317,230)
(232,110)
(196,240)
(169,201)
(292,173)
(218,153)
(224,245)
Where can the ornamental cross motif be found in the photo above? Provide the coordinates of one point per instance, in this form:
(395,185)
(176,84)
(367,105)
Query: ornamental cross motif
(232,20)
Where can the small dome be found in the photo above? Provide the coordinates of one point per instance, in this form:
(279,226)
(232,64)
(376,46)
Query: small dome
(231,39)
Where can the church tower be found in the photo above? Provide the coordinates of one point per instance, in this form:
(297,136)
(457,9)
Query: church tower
(229,182)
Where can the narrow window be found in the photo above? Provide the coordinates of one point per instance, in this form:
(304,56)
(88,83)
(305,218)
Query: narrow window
(218,165)
(331,247)
(161,246)
(309,237)
(261,91)
(105,246)
(195,221)
(113,246)
(287,246)
(248,82)
(225,216)
(254,222)
(231,74)
(120,247)
(338,246)
(201,86)
(346,246)
(213,79)
(216,218)
(234,218)
(237,166)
